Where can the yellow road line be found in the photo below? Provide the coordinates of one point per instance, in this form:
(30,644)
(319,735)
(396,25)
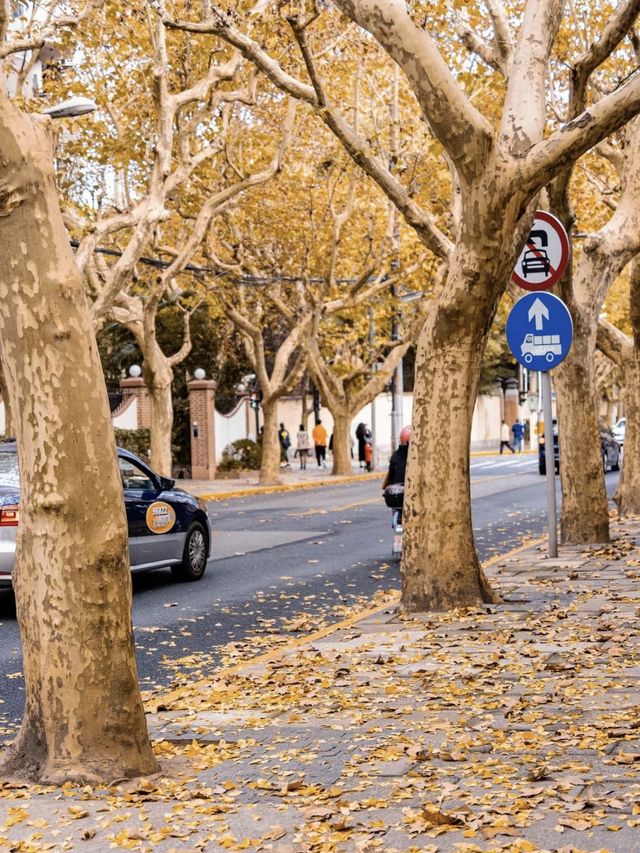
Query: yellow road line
(375,500)
(475,481)
(285,487)
(294,487)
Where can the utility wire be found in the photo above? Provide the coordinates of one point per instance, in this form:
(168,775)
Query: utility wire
(247,280)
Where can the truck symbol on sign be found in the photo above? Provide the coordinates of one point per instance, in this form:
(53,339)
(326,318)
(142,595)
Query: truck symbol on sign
(547,345)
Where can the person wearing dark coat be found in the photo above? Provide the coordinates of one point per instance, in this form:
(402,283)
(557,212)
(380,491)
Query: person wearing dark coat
(361,435)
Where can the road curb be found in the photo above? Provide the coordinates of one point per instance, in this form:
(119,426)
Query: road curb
(311,484)
(276,653)
(364,614)
(286,487)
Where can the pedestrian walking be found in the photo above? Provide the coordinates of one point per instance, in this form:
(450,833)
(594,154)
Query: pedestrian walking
(303,447)
(518,435)
(361,431)
(319,435)
(505,435)
(368,449)
(285,443)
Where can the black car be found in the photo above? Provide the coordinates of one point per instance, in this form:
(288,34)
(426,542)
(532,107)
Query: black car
(609,448)
(167,526)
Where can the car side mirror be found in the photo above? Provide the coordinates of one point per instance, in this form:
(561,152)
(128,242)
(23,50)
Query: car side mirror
(166,482)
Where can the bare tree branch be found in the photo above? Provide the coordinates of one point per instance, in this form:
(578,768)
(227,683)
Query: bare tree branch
(461,129)
(523,114)
(612,342)
(616,28)
(357,146)
(563,147)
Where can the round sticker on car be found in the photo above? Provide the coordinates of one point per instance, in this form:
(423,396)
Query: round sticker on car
(160,517)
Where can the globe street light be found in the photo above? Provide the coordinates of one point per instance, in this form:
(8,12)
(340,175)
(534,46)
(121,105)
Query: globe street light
(134,371)
(199,373)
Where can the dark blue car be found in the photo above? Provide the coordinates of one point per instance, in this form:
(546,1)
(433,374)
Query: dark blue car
(167,526)
(609,450)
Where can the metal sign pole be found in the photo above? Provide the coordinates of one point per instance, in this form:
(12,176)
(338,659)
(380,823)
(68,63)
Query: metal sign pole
(549,453)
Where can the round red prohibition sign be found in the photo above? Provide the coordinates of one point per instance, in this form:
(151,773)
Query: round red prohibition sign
(545,254)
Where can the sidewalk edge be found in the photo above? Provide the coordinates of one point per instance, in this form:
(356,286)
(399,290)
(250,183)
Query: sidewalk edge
(285,487)
(308,639)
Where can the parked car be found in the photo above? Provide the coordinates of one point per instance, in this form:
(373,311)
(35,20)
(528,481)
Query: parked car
(619,430)
(167,526)
(609,448)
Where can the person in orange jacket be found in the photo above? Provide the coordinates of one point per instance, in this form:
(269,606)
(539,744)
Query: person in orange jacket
(319,436)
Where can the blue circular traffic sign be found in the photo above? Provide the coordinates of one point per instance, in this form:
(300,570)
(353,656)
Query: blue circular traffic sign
(539,331)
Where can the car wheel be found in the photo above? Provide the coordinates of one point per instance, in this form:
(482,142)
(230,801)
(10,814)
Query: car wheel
(616,467)
(194,556)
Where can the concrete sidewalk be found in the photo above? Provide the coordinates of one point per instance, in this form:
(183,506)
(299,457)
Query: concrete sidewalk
(292,479)
(514,728)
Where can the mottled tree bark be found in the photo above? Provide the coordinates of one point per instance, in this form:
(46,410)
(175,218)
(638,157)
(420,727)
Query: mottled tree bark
(625,352)
(8,416)
(584,516)
(270,467)
(342,465)
(158,380)
(440,566)
(83,717)
(628,493)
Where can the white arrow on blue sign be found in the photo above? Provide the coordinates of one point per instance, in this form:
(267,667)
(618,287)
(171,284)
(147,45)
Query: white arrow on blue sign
(539,331)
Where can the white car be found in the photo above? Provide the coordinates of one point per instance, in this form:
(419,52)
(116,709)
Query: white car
(619,430)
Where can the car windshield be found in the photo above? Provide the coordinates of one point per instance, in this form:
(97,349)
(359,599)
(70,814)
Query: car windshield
(9,474)
(132,476)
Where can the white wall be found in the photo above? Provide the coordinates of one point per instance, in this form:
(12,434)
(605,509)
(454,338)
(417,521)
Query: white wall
(240,423)
(231,427)
(485,429)
(128,417)
(485,426)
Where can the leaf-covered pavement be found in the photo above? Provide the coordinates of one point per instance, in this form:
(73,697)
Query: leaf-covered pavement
(516,729)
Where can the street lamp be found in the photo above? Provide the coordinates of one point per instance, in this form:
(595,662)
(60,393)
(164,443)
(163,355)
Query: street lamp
(71,108)
(199,373)
(134,371)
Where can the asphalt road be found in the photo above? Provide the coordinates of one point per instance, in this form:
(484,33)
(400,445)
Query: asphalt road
(282,564)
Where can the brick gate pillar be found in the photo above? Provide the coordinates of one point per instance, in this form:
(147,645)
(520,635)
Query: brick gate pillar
(135,387)
(202,429)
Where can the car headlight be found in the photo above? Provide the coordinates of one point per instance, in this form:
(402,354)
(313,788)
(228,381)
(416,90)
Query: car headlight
(202,505)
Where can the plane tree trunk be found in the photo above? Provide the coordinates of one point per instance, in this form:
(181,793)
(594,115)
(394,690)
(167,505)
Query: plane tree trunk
(270,467)
(8,417)
(625,352)
(158,377)
(628,493)
(139,315)
(83,718)
(584,516)
(440,566)
(342,463)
